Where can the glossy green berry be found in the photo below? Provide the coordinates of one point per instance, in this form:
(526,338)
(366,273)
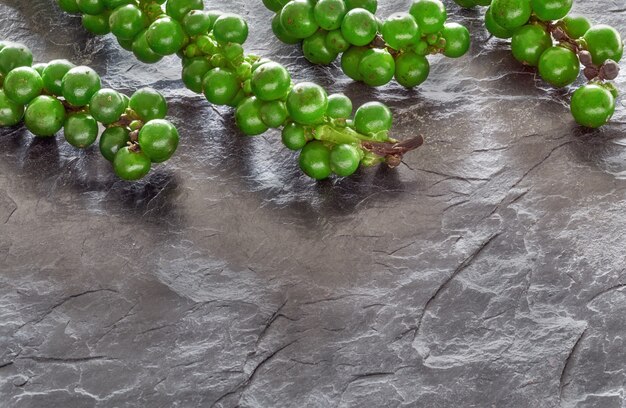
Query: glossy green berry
(315,160)
(113,4)
(400,30)
(315,50)
(230,28)
(559,66)
(23,84)
(112,140)
(79,85)
(298,19)
(350,61)
(194,73)
(550,10)
(429,14)
(372,118)
(281,33)
(11,112)
(275,5)
(165,36)
(339,107)
(177,9)
(330,13)
(575,26)
(377,67)
(127,21)
(53,74)
(80,130)
(91,6)
(274,113)
(221,86)
(270,81)
(248,117)
(496,29)
(197,22)
(369,5)
(457,40)
(130,164)
(344,160)
(592,105)
(336,43)
(148,104)
(359,27)
(39,67)
(603,42)
(142,50)
(411,69)
(97,24)
(294,136)
(44,116)
(13,56)
(158,140)
(511,14)
(307,103)
(529,42)
(69,6)
(107,106)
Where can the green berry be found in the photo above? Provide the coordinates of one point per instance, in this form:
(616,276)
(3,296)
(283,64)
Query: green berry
(511,14)
(550,10)
(80,130)
(142,50)
(344,160)
(281,33)
(369,5)
(273,113)
(127,21)
(11,112)
(575,26)
(294,136)
(112,140)
(429,14)
(372,118)
(496,29)
(79,85)
(107,106)
(377,67)
(230,28)
(457,40)
(559,66)
(270,81)
(194,73)
(44,116)
(69,6)
(197,22)
(298,19)
(603,42)
(248,117)
(148,104)
(53,75)
(307,103)
(330,13)
(339,107)
(350,61)
(158,140)
(592,105)
(97,24)
(336,43)
(131,165)
(13,56)
(359,27)
(220,86)
(23,84)
(315,160)
(529,43)
(92,7)
(177,9)
(165,36)
(411,69)
(400,30)
(315,50)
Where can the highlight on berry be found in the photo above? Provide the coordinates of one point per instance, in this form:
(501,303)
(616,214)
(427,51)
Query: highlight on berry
(331,137)
(372,51)
(545,35)
(59,96)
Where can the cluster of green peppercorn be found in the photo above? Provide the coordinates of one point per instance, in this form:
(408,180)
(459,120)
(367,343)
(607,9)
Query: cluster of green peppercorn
(210,44)
(59,95)
(373,51)
(544,35)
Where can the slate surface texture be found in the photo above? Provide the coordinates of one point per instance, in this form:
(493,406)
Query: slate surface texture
(488,271)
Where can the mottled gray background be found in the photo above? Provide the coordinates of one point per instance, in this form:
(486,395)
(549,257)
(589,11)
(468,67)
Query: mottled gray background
(489,271)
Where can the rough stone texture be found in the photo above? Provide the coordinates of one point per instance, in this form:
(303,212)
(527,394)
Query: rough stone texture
(486,272)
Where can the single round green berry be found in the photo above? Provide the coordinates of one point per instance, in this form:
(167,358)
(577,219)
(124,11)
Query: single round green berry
(148,104)
(69,6)
(274,113)
(107,106)
(294,136)
(457,40)
(315,160)
(230,28)
(177,9)
(270,81)
(494,28)
(400,30)
(130,164)
(429,14)
(336,43)
(44,116)
(112,140)
(53,75)
(359,27)
(165,36)
(194,73)
(511,14)
(575,26)
(339,107)
(275,5)
(369,5)
(559,66)
(197,22)
(91,6)
(13,56)
(127,21)
(350,61)
(592,105)
(377,67)
(529,43)
(158,140)
(344,160)
(79,85)
(330,13)
(97,24)
(315,50)
(411,69)
(23,84)
(603,42)
(298,19)
(220,86)
(550,10)
(248,117)
(307,103)
(372,118)
(281,33)
(142,50)
(80,130)
(11,112)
